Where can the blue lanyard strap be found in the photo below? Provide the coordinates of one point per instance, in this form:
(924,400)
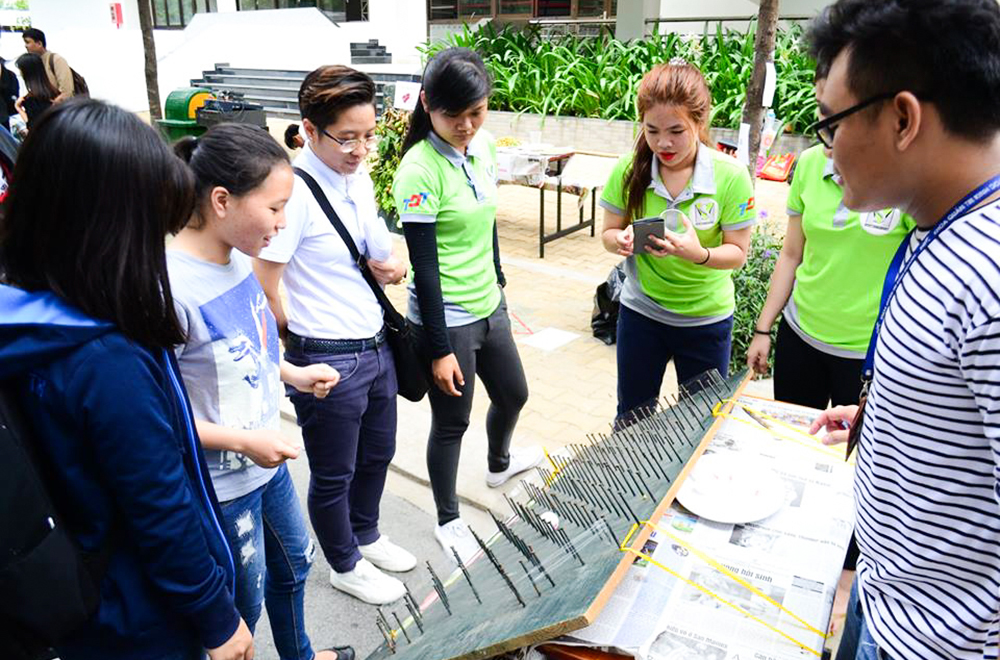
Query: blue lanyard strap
(898,269)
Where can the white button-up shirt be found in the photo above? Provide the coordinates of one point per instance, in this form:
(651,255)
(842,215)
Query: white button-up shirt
(327,297)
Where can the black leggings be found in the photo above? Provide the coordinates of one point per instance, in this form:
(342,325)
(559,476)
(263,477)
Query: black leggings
(486,349)
(807,376)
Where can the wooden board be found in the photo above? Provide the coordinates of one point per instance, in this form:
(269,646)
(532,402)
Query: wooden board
(562,578)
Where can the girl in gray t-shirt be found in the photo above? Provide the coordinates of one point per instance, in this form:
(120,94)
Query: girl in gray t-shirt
(232,369)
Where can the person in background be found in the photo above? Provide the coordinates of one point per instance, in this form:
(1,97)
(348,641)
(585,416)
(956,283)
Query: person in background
(56,67)
(677,301)
(334,318)
(39,94)
(446,193)
(87,331)
(232,370)
(10,91)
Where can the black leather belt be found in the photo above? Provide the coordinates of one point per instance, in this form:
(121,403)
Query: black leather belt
(334,346)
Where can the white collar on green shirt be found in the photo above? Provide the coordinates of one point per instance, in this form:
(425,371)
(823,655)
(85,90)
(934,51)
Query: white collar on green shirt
(451,154)
(476,149)
(702,179)
(830,172)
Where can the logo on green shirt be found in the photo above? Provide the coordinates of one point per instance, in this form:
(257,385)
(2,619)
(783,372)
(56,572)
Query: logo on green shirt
(418,199)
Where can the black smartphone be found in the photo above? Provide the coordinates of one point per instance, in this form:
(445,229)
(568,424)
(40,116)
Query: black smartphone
(643,229)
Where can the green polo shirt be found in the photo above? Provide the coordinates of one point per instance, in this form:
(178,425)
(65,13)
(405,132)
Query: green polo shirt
(719,197)
(844,260)
(435,183)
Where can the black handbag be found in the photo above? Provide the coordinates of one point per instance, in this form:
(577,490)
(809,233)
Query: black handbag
(411,370)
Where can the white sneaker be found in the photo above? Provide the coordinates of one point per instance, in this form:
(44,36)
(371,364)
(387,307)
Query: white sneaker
(369,584)
(521,459)
(388,556)
(456,534)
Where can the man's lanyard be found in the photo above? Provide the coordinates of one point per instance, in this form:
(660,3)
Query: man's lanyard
(898,269)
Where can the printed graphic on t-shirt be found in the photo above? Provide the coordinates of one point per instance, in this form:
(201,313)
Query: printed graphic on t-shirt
(706,213)
(247,362)
(880,223)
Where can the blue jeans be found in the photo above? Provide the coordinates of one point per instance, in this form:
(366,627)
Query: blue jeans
(857,642)
(350,438)
(272,552)
(646,346)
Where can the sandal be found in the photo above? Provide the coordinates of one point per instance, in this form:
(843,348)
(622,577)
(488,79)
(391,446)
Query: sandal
(343,652)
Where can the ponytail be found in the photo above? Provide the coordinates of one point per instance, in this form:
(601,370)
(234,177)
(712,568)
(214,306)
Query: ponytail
(637,179)
(184,148)
(419,128)
(292,138)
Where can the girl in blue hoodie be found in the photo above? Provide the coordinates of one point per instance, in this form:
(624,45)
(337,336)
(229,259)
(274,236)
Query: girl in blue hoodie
(87,326)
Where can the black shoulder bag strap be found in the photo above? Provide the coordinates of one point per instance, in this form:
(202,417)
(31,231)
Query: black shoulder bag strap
(393,317)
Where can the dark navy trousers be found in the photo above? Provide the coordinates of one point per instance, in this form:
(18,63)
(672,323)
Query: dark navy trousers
(646,346)
(350,438)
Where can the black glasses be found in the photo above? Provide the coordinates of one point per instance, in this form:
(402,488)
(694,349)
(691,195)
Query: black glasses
(347,146)
(827,128)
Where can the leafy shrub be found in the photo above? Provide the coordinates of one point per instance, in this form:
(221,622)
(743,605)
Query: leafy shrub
(751,283)
(599,76)
(391,128)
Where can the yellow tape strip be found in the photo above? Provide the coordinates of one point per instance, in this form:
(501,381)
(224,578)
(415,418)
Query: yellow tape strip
(812,443)
(728,573)
(722,600)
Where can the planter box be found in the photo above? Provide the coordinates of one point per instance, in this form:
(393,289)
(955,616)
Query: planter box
(601,135)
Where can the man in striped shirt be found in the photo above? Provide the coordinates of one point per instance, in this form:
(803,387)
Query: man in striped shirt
(913,107)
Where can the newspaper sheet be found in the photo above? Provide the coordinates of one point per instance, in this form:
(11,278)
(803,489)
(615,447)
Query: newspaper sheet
(792,558)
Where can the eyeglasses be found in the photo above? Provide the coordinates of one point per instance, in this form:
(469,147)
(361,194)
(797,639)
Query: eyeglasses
(827,128)
(347,146)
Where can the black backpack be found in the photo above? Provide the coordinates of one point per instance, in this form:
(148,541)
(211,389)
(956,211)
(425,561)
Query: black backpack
(49,586)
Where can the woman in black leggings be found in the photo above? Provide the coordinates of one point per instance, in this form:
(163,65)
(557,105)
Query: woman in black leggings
(446,191)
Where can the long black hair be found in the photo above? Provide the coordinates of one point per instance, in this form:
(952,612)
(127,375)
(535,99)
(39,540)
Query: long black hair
(237,157)
(35,79)
(453,80)
(93,195)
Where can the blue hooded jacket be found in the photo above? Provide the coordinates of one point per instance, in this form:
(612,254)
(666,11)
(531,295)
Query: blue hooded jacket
(113,421)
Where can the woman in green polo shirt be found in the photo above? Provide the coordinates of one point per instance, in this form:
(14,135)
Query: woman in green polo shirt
(446,193)
(677,300)
(827,283)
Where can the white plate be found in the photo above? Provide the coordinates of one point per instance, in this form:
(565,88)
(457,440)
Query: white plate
(729,488)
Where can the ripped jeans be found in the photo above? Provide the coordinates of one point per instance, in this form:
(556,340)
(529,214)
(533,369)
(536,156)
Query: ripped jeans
(272,551)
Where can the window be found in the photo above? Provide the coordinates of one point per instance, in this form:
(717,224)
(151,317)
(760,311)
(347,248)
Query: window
(178,13)
(553,8)
(337,6)
(477,8)
(508,7)
(450,11)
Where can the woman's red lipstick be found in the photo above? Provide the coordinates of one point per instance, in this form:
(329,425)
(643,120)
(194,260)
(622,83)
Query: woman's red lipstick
(666,156)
